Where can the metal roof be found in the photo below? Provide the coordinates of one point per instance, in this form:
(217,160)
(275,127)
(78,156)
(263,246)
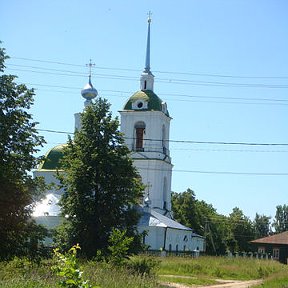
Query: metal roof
(281,238)
(154,102)
(155,219)
(52,158)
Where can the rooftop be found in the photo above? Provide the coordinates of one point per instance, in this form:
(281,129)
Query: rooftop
(52,159)
(281,238)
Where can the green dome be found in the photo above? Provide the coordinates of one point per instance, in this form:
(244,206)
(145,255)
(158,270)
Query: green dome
(52,158)
(149,102)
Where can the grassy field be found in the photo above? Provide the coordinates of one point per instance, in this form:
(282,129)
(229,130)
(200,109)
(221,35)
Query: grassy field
(201,271)
(207,268)
(219,267)
(24,274)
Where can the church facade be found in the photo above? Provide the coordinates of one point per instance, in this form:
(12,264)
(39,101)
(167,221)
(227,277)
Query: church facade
(145,122)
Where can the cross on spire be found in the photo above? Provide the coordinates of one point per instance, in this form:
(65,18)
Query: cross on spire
(90,65)
(149,16)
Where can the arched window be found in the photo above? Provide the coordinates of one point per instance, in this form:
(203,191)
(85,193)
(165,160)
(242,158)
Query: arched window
(164,140)
(139,135)
(165,193)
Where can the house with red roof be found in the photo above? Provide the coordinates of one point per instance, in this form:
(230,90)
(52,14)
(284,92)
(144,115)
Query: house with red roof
(275,245)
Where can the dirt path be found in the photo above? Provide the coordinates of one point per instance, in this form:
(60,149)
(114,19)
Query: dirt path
(222,284)
(234,284)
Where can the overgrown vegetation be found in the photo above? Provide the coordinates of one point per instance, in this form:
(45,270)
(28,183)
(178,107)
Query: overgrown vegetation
(19,139)
(68,269)
(200,271)
(220,267)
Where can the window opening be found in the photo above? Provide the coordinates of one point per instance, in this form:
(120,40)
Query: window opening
(164,140)
(139,131)
(276,253)
(165,193)
(140,105)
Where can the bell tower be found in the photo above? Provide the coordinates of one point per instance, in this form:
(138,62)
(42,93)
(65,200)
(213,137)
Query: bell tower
(145,122)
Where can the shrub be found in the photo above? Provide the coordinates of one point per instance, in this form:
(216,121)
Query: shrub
(119,246)
(143,265)
(68,269)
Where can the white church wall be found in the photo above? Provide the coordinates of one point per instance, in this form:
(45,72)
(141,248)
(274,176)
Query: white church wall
(154,238)
(176,239)
(154,122)
(183,240)
(50,178)
(153,174)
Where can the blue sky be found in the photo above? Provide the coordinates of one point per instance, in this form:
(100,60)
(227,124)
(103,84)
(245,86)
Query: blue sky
(221,66)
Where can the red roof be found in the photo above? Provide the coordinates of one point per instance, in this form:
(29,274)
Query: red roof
(281,238)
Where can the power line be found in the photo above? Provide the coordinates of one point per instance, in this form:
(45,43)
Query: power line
(168,80)
(230,150)
(187,141)
(156,71)
(205,149)
(232,173)
(281,102)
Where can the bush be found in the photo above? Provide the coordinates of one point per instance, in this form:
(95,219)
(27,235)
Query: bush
(119,245)
(68,269)
(143,265)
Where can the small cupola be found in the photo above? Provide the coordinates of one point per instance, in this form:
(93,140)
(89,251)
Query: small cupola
(89,92)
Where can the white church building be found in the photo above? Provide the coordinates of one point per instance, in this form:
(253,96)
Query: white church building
(145,122)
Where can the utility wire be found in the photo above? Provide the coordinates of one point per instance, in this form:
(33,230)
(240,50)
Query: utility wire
(168,80)
(279,102)
(156,71)
(202,149)
(186,141)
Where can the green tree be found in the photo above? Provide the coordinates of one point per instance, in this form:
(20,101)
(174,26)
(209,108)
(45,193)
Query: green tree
(202,218)
(18,144)
(101,184)
(261,225)
(242,230)
(281,219)
(184,211)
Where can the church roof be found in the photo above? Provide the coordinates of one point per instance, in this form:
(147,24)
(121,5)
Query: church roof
(52,158)
(155,219)
(154,103)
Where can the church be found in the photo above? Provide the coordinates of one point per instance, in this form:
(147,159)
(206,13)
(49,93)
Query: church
(145,122)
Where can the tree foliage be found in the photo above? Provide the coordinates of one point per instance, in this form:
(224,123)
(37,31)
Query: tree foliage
(101,184)
(281,219)
(222,233)
(18,144)
(202,218)
(242,229)
(261,225)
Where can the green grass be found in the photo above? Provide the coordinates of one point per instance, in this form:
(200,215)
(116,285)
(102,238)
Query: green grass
(276,280)
(220,267)
(21,273)
(24,274)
